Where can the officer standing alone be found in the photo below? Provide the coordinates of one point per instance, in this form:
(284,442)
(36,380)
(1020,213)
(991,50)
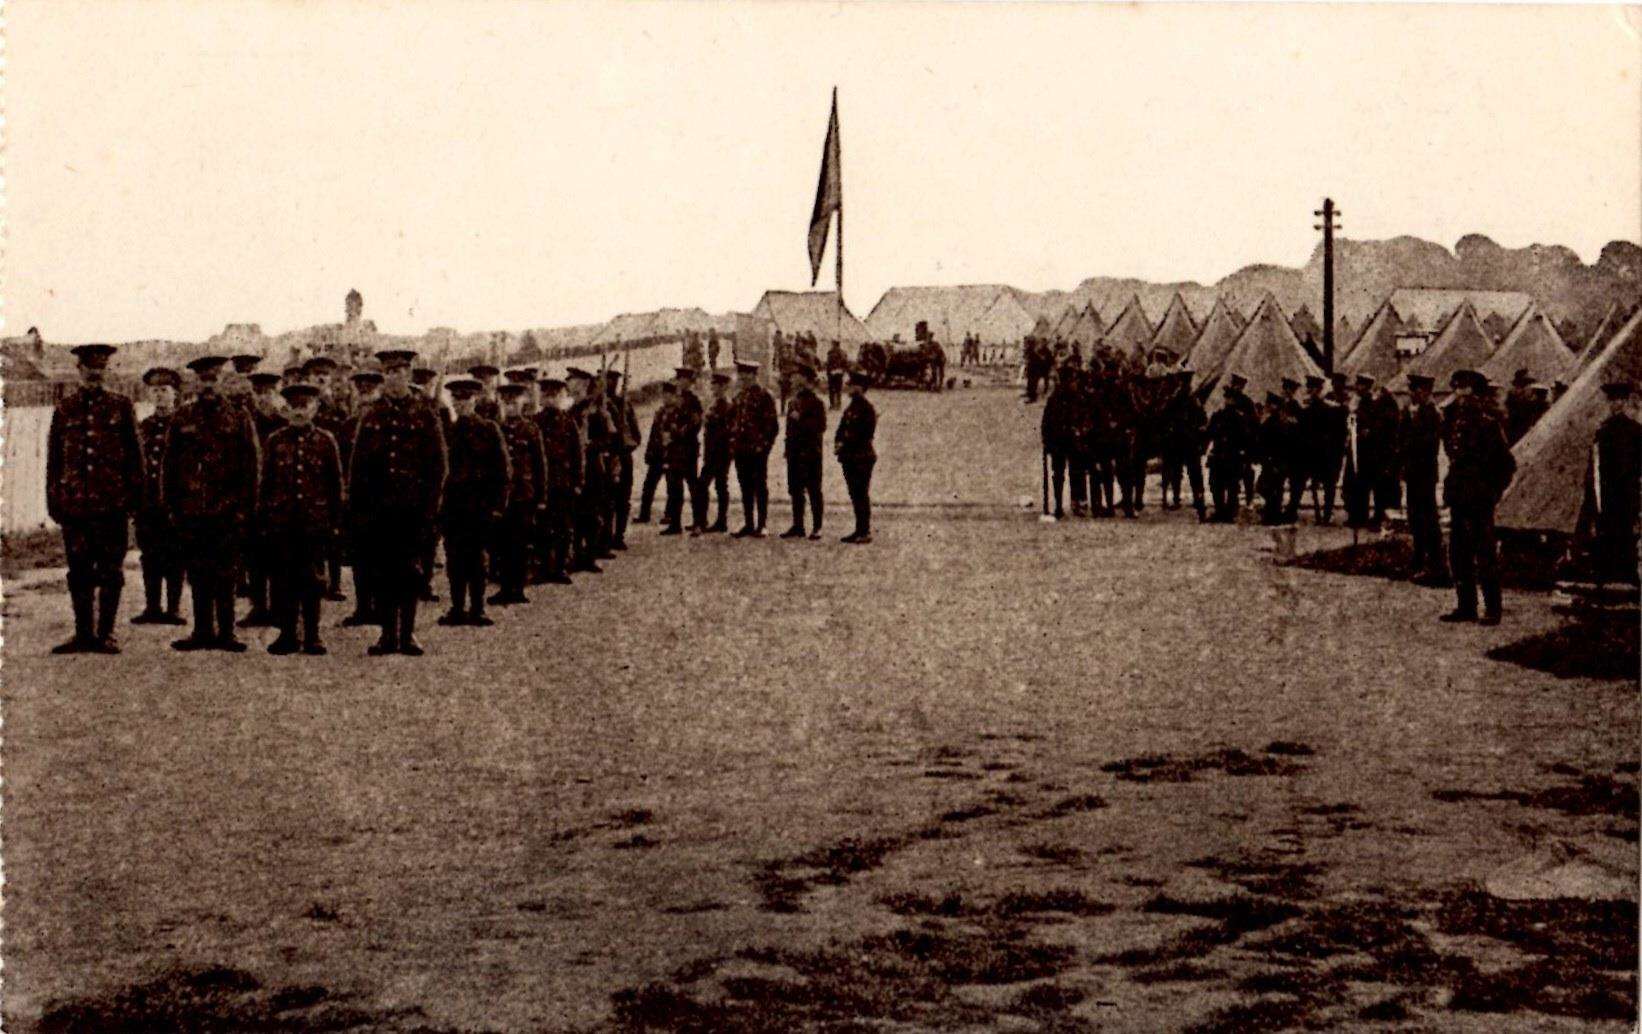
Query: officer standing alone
(852,444)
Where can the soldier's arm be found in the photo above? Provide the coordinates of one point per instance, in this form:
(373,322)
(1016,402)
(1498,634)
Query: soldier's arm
(538,466)
(54,466)
(132,442)
(333,472)
(356,473)
(168,468)
(438,470)
(252,468)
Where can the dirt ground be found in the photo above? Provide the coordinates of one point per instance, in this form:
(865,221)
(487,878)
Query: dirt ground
(984,774)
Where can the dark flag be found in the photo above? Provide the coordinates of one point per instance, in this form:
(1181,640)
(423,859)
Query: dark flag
(829,198)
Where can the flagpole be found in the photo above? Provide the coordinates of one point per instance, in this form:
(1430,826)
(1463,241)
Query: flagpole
(838,250)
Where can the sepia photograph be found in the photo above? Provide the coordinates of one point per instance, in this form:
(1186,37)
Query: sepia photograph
(489,548)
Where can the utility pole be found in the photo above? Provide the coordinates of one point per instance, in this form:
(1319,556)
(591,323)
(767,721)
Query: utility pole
(1329,214)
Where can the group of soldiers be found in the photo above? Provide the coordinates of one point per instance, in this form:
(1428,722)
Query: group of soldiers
(1102,424)
(262,484)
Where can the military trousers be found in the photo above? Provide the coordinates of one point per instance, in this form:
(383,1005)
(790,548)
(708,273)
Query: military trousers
(558,534)
(521,525)
(297,559)
(804,487)
(835,388)
(466,536)
(858,480)
(213,550)
(752,474)
(1062,462)
(682,476)
(590,511)
(1325,481)
(397,546)
(621,487)
(653,471)
(715,478)
(161,562)
(1473,554)
(1225,481)
(1359,495)
(1180,459)
(1425,526)
(95,548)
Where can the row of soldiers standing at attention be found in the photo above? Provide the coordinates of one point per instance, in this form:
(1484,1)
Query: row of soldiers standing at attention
(262,482)
(1102,425)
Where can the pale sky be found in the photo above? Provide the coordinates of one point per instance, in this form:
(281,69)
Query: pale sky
(172,167)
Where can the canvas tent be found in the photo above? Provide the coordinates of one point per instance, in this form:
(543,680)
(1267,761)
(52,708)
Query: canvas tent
(1533,345)
(991,312)
(1177,333)
(1044,328)
(1611,321)
(1375,351)
(1462,345)
(1214,343)
(1549,486)
(1131,333)
(1086,331)
(1063,325)
(1305,323)
(810,312)
(1266,352)
(1427,308)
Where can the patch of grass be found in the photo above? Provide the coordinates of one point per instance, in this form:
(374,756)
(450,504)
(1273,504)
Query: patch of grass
(1605,650)
(950,773)
(1331,809)
(968,814)
(1068,900)
(695,909)
(633,817)
(636,842)
(1591,934)
(219,998)
(30,550)
(321,913)
(1387,1010)
(1554,986)
(1059,854)
(1238,915)
(1261,1015)
(949,906)
(1592,795)
(1047,999)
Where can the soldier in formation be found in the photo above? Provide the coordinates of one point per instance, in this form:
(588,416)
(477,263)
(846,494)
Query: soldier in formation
(299,510)
(162,564)
(474,504)
(1065,430)
(681,450)
(625,439)
(267,416)
(1480,467)
(367,385)
(753,427)
(655,466)
(562,457)
(593,427)
(1183,424)
(1608,518)
(1422,433)
(715,457)
(806,426)
(94,480)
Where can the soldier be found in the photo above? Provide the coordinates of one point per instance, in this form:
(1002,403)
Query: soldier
(1065,432)
(395,486)
(1228,445)
(237,385)
(837,366)
(562,473)
(367,386)
(1098,387)
(592,428)
(1422,437)
(211,467)
(1122,403)
(523,522)
(487,405)
(655,450)
(1362,455)
(161,559)
(1275,438)
(267,416)
(712,348)
(1387,438)
(333,416)
(806,426)
(525,377)
(715,456)
(753,427)
(625,423)
(1296,459)
(300,507)
(1480,466)
(682,450)
(290,375)
(94,480)
(852,444)
(1183,425)
(1613,478)
(1524,405)
(476,501)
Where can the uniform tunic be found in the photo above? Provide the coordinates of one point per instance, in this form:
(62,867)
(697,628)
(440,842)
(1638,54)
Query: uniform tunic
(681,451)
(753,427)
(852,443)
(395,485)
(715,456)
(300,509)
(475,502)
(212,466)
(1421,440)
(1480,466)
(155,537)
(94,480)
(806,427)
(1609,515)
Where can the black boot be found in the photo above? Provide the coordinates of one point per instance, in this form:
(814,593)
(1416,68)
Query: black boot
(227,641)
(204,635)
(84,635)
(407,630)
(286,642)
(108,609)
(388,643)
(151,612)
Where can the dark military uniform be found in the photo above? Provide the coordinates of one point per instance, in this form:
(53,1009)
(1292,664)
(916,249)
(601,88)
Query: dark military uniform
(1064,429)
(593,423)
(94,479)
(211,471)
(1183,425)
(1523,408)
(837,366)
(682,451)
(162,559)
(715,464)
(334,417)
(753,426)
(655,465)
(258,550)
(1422,437)
(1480,466)
(852,444)
(299,512)
(625,439)
(1296,456)
(806,426)
(1229,444)
(1609,515)
(488,408)
(563,453)
(1275,438)
(365,611)
(1322,435)
(395,486)
(525,518)
(475,504)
